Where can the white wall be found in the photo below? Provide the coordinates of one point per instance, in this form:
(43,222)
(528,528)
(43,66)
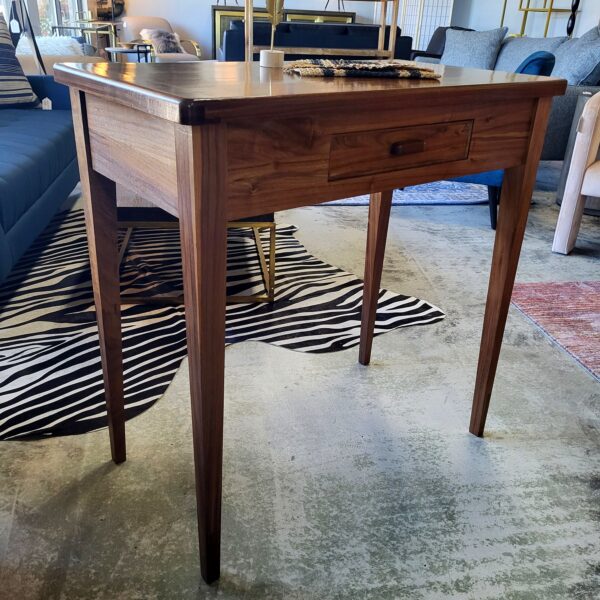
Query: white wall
(192,18)
(486,14)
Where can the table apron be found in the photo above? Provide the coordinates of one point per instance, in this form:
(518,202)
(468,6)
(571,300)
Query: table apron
(276,164)
(281,163)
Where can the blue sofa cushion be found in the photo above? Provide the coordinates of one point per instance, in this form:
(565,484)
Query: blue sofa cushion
(577,59)
(538,63)
(14,86)
(491,178)
(36,146)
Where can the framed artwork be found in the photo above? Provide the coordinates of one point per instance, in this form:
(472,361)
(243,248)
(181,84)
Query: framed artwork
(316,16)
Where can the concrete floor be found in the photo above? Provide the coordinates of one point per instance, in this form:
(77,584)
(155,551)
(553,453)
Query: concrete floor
(342,481)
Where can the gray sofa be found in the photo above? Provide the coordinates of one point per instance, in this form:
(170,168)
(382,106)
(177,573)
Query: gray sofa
(577,61)
(514,50)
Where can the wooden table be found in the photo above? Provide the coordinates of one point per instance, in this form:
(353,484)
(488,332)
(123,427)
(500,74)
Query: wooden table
(216,142)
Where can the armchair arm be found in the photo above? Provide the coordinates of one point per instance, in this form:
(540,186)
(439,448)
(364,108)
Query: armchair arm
(587,143)
(195,45)
(585,152)
(561,118)
(44,86)
(416,53)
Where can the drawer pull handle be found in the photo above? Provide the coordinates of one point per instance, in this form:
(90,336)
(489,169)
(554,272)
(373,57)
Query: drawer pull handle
(407,147)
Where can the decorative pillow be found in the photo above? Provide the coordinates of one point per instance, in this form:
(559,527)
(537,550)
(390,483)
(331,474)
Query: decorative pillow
(577,59)
(476,49)
(14,86)
(515,50)
(163,42)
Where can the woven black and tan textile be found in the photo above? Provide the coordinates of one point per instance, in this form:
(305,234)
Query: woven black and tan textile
(320,67)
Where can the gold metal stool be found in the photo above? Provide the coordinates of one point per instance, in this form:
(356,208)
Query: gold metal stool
(134,217)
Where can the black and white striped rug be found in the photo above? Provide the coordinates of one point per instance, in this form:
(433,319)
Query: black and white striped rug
(50,373)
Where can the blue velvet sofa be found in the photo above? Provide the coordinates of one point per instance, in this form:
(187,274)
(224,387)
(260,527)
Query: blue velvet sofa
(38,168)
(309,35)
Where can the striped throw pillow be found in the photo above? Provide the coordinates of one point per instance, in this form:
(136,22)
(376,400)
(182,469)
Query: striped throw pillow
(14,86)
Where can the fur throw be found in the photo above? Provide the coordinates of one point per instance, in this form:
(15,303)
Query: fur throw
(163,42)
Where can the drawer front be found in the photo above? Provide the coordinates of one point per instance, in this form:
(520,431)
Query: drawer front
(372,152)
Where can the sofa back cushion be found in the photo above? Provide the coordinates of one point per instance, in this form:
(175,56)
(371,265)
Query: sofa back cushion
(578,60)
(14,86)
(311,35)
(476,49)
(515,50)
(437,43)
(316,35)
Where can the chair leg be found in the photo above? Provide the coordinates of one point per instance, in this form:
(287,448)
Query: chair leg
(125,244)
(267,269)
(272,265)
(494,199)
(569,222)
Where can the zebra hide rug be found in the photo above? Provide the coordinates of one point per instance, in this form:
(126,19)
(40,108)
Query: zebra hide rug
(50,373)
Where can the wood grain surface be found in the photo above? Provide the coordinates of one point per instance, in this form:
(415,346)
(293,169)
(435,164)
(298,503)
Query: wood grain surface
(212,142)
(192,93)
(100,203)
(201,160)
(512,220)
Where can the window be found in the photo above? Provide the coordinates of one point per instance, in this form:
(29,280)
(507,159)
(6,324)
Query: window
(47,14)
(69,9)
(57,12)
(420,18)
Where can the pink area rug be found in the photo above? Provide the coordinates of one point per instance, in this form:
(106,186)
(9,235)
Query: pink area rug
(569,313)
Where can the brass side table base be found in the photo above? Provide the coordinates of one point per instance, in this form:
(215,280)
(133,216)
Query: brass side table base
(150,218)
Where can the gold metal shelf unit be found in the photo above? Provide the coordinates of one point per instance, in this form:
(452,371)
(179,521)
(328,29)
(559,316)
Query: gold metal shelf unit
(546,8)
(380,52)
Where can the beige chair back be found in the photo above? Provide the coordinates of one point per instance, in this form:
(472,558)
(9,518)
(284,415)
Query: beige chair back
(587,142)
(132,26)
(583,178)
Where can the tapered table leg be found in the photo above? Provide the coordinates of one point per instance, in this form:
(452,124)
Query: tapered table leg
(379,217)
(201,159)
(512,219)
(100,201)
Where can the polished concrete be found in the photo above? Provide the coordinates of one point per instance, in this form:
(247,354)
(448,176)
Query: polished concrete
(342,481)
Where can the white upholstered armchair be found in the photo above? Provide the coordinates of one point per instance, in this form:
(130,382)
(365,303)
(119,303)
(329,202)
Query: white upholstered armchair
(132,26)
(583,179)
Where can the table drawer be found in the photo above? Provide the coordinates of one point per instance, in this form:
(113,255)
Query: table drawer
(371,152)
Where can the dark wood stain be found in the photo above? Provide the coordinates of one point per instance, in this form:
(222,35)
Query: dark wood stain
(221,141)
